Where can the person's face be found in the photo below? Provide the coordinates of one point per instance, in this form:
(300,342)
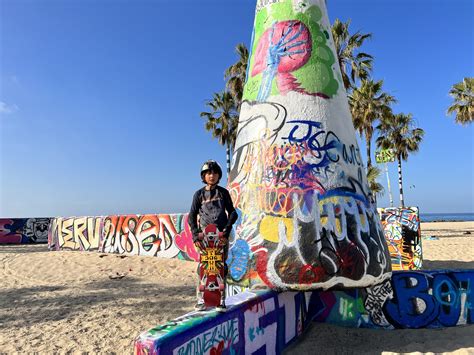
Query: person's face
(211,177)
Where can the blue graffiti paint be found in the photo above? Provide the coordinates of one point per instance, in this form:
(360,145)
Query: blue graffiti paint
(238,258)
(465,280)
(441,294)
(403,309)
(323,146)
(448,297)
(275,52)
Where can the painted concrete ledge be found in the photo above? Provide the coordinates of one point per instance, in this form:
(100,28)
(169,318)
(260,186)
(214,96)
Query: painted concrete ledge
(259,322)
(24,230)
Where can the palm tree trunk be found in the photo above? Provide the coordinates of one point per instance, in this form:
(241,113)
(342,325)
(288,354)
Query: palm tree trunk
(368,143)
(400,181)
(228,160)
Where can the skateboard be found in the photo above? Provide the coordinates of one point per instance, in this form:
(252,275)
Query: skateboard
(211,267)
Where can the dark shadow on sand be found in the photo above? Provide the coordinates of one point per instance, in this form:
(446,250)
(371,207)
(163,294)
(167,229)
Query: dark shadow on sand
(23,248)
(320,338)
(26,306)
(447,265)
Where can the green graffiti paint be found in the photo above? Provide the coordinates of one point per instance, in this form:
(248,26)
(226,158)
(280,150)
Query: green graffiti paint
(317,75)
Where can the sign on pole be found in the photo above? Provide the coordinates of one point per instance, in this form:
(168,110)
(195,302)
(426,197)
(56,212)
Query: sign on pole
(385,156)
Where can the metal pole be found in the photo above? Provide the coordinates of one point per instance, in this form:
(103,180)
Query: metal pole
(388,184)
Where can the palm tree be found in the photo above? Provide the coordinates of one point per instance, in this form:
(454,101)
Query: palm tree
(373,173)
(369,103)
(354,64)
(463,105)
(236,74)
(397,132)
(222,121)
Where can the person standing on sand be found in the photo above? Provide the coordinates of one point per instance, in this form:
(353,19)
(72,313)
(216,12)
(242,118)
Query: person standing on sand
(213,205)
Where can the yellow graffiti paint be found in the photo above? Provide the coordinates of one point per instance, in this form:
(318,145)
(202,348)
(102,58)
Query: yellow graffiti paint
(269,228)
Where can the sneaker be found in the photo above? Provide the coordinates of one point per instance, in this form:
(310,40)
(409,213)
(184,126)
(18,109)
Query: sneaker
(221,308)
(200,306)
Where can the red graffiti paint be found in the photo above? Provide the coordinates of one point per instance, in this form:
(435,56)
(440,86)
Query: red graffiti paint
(352,260)
(291,36)
(184,241)
(311,274)
(255,307)
(262,260)
(283,48)
(7,235)
(217,350)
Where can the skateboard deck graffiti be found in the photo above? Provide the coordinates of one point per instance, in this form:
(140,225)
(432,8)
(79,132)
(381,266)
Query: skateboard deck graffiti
(211,268)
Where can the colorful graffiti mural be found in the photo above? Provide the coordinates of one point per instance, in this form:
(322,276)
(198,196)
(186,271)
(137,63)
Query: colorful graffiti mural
(75,233)
(306,220)
(166,236)
(403,235)
(253,323)
(24,230)
(290,53)
(411,299)
(268,321)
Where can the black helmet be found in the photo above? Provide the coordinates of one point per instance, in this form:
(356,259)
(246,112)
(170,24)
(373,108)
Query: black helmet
(211,165)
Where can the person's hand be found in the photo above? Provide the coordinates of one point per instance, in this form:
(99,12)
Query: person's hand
(197,236)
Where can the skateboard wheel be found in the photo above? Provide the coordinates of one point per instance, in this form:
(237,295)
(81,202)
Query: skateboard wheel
(201,288)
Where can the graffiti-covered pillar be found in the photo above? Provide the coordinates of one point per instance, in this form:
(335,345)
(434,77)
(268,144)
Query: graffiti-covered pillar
(306,220)
(401,226)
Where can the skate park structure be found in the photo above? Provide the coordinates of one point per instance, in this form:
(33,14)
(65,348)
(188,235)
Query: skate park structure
(266,319)
(306,218)
(403,235)
(297,177)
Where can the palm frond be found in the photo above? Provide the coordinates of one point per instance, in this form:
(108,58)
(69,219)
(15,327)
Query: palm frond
(373,174)
(354,64)
(463,105)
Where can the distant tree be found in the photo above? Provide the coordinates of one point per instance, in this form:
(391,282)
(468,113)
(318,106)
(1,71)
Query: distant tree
(369,103)
(373,174)
(236,74)
(222,120)
(398,132)
(354,64)
(463,105)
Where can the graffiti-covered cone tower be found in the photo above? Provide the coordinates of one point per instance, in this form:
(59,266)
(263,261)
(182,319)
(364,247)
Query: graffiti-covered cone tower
(298,181)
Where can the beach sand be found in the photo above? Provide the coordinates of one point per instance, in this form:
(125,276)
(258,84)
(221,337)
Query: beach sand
(89,302)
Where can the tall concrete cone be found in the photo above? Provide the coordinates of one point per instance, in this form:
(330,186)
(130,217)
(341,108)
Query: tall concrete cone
(306,220)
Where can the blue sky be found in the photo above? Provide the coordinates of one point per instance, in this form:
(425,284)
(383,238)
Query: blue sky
(100,100)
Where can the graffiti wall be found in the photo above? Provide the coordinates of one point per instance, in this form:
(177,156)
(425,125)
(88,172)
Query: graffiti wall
(402,231)
(411,299)
(306,220)
(24,230)
(163,235)
(263,322)
(75,233)
(166,236)
(267,321)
